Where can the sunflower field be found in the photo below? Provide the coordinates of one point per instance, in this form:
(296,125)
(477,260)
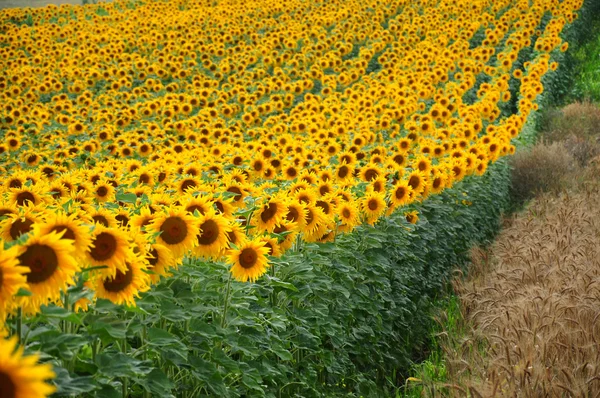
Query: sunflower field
(260,198)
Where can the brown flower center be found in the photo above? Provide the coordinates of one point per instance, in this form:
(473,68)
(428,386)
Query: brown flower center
(100,219)
(102,191)
(371,174)
(268,212)
(19,227)
(153,260)
(323,205)
(174,230)
(68,233)
(105,246)
(7,386)
(24,197)
(119,282)
(346,213)
(210,233)
(414,182)
(187,184)
(42,262)
(237,192)
(400,192)
(373,205)
(192,208)
(343,172)
(292,214)
(248,258)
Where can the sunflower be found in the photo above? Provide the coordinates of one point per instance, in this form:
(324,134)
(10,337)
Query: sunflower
(224,207)
(348,215)
(249,260)
(101,216)
(51,268)
(73,230)
(23,377)
(416,180)
(238,191)
(177,230)
(296,213)
(270,214)
(316,223)
(124,286)
(140,222)
(160,261)
(103,191)
(412,216)
(15,225)
(287,233)
(401,193)
(272,245)
(213,237)
(201,203)
(373,206)
(306,196)
(25,195)
(438,182)
(12,277)
(110,247)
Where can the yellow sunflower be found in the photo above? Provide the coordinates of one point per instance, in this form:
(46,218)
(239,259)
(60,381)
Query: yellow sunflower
(269,214)
(12,277)
(51,268)
(373,206)
(73,230)
(272,245)
(249,260)
(124,286)
(412,216)
(177,230)
(348,215)
(160,261)
(287,232)
(213,237)
(401,194)
(20,376)
(296,213)
(416,180)
(140,222)
(110,247)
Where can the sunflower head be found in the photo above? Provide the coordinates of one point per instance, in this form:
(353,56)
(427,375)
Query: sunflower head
(249,260)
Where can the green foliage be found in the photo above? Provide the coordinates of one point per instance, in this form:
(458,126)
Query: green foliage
(348,318)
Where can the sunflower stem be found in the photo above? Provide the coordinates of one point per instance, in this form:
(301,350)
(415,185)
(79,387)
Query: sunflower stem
(124,380)
(19,324)
(226,305)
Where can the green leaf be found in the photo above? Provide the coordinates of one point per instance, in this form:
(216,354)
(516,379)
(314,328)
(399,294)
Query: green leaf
(279,283)
(157,383)
(60,313)
(126,197)
(73,385)
(23,293)
(282,353)
(117,364)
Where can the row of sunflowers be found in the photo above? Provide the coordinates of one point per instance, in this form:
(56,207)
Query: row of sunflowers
(137,134)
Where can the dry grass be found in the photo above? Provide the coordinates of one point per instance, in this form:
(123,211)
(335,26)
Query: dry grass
(581,119)
(543,168)
(533,301)
(571,140)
